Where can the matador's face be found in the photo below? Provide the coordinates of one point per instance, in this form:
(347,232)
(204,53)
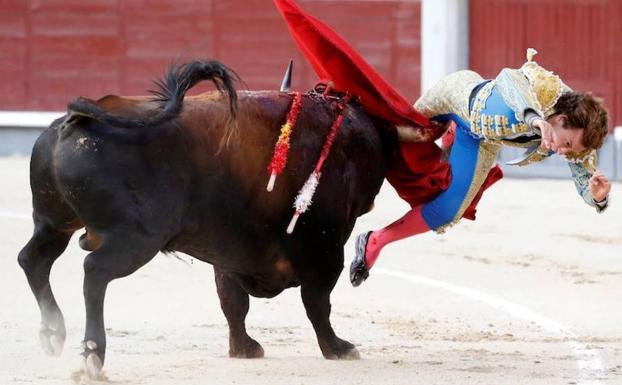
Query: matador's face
(565,139)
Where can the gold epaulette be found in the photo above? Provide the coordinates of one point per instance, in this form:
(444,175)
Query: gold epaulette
(545,85)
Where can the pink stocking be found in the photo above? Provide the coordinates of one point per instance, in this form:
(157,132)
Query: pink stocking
(412,223)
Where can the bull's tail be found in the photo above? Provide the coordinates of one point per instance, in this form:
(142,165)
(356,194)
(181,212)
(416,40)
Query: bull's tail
(169,95)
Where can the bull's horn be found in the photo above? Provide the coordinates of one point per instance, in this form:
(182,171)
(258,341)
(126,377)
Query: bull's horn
(287,79)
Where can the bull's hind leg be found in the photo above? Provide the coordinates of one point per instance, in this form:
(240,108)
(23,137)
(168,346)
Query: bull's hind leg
(234,303)
(119,255)
(36,259)
(315,292)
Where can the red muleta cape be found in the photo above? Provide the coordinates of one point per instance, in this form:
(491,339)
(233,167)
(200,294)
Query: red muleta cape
(417,172)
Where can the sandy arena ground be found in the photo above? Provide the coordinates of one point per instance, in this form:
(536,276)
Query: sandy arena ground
(531,293)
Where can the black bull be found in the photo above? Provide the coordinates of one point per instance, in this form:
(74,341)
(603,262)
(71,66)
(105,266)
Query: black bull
(143,175)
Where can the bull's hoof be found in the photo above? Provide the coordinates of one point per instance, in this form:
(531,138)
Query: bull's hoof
(343,350)
(52,341)
(353,354)
(248,349)
(349,355)
(93,366)
(92,362)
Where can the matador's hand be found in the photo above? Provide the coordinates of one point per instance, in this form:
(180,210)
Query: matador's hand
(546,131)
(599,186)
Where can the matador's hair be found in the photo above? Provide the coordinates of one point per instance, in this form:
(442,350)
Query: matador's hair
(583,110)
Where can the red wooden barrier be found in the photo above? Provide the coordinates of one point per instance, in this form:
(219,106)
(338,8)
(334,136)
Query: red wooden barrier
(54,50)
(577,39)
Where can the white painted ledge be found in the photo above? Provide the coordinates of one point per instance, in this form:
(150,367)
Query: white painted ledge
(28,118)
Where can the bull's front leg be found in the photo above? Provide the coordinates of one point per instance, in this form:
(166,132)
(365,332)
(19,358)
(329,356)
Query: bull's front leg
(316,299)
(234,303)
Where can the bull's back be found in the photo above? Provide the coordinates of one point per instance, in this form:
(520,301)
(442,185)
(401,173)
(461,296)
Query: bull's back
(232,200)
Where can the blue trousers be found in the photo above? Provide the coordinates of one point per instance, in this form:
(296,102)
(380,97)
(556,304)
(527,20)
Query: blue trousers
(449,206)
